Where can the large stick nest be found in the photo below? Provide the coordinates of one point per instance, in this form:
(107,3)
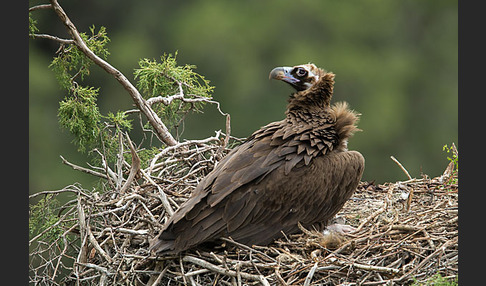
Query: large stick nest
(406,231)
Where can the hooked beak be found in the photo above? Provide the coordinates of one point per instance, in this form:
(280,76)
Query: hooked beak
(283,73)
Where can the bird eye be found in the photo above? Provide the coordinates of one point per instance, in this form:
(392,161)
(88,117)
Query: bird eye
(301,72)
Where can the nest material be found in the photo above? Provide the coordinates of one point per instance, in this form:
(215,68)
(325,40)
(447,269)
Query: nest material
(405,231)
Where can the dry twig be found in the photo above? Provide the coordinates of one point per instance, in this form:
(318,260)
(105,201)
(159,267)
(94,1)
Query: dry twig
(392,245)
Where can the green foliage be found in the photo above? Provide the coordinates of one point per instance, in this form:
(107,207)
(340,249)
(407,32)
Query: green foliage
(42,216)
(97,41)
(79,114)
(32,25)
(166,79)
(120,119)
(438,280)
(71,62)
(453,159)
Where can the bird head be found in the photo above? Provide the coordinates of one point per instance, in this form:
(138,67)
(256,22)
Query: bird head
(311,83)
(300,77)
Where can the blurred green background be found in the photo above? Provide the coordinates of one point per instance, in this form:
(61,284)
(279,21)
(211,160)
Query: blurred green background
(396,62)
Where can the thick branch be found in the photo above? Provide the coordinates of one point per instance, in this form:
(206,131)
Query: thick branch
(160,128)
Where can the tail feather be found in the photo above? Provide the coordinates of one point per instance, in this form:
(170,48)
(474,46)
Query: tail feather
(159,246)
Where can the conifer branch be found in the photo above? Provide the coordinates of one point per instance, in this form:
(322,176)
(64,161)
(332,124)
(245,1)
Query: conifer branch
(160,128)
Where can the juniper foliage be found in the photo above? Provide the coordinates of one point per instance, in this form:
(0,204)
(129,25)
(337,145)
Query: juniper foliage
(166,78)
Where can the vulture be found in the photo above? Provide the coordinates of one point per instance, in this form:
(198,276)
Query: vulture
(297,170)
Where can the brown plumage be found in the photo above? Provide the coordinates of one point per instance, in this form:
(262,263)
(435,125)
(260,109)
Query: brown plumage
(290,171)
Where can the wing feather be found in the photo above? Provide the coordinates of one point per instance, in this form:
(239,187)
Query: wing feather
(318,200)
(259,189)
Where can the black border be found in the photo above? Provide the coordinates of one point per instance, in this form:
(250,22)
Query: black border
(472,48)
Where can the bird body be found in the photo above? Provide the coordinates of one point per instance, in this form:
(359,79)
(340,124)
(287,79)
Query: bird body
(297,170)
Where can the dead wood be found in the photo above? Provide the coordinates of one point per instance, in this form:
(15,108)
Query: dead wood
(105,237)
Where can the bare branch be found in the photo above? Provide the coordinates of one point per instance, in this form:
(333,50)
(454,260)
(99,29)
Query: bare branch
(97,267)
(135,168)
(172,148)
(64,190)
(401,167)
(39,7)
(61,219)
(308,279)
(119,163)
(166,100)
(366,266)
(163,196)
(228,130)
(76,167)
(223,271)
(83,224)
(109,172)
(53,38)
